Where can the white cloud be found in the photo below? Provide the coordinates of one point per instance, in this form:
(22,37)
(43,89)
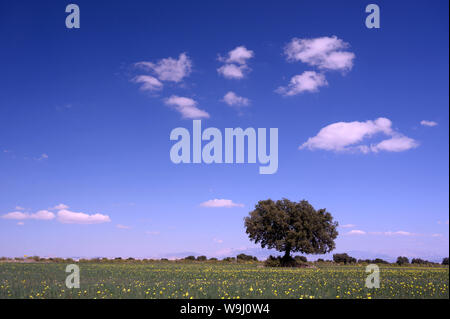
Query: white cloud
(149,83)
(20,223)
(60,206)
(153,233)
(348,136)
(40,215)
(19,208)
(400,232)
(234,100)
(220,203)
(238,55)
(122,226)
(218,241)
(393,233)
(348,226)
(170,69)
(186,106)
(325,53)
(398,143)
(428,123)
(356,232)
(308,81)
(16,215)
(236,63)
(232,71)
(67,217)
(387,233)
(436,235)
(42,157)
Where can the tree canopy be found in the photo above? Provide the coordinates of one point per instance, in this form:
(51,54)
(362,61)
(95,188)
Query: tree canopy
(291,227)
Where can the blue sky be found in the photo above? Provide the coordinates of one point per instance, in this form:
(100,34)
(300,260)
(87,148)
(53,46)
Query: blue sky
(85,118)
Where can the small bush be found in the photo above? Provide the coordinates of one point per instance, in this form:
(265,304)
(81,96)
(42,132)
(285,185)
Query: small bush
(445,261)
(344,258)
(282,262)
(301,259)
(189,258)
(419,261)
(402,260)
(244,257)
(201,258)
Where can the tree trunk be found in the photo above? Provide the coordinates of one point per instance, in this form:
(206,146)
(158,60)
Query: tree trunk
(285,261)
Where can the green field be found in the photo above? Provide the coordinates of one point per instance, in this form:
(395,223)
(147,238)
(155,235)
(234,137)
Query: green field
(218,280)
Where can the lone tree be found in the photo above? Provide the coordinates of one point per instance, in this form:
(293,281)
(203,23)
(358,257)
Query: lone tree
(291,227)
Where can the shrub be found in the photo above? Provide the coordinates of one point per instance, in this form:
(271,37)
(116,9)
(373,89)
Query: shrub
(302,259)
(343,258)
(201,258)
(282,262)
(419,261)
(402,260)
(189,258)
(379,261)
(244,257)
(445,261)
(229,259)
(272,262)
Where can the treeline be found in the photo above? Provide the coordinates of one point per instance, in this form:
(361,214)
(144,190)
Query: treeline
(401,260)
(271,261)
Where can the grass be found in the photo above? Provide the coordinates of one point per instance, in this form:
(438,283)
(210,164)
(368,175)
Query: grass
(220,280)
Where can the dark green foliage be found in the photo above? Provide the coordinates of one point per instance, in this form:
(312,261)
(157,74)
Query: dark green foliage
(244,257)
(229,259)
(379,261)
(343,258)
(190,258)
(301,259)
(402,260)
(445,261)
(291,227)
(419,261)
(283,262)
(201,258)
(272,262)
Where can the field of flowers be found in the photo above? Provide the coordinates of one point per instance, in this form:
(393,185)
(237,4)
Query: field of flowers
(207,280)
